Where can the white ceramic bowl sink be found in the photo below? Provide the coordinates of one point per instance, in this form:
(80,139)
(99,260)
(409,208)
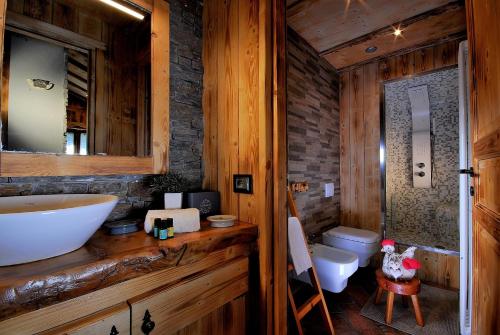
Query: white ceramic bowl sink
(41,226)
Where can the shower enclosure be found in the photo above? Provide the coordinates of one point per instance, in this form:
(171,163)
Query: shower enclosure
(421,140)
(424,145)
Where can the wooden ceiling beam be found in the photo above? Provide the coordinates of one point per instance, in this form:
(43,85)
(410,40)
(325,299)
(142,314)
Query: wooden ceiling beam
(457,37)
(390,28)
(327,23)
(443,23)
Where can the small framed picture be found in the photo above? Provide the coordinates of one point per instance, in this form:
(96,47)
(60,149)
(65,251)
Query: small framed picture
(242,183)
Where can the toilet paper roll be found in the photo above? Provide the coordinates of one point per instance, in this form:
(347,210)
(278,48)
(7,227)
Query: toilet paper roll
(185,220)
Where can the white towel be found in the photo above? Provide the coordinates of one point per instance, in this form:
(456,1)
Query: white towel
(185,220)
(298,247)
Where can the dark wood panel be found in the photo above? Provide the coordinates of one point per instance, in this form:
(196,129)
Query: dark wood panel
(345,157)
(356,137)
(424,59)
(278,214)
(371,209)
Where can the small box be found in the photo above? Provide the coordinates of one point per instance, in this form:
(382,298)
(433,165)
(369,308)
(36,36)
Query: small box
(208,203)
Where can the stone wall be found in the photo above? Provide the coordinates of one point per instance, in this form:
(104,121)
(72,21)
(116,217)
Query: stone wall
(186,74)
(313,133)
(424,216)
(186,126)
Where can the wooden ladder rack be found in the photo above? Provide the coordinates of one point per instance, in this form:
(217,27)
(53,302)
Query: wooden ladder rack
(317,299)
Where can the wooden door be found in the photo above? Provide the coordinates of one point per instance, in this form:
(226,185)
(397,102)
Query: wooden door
(483,30)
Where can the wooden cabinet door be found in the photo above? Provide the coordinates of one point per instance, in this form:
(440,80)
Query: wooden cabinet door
(483,29)
(112,321)
(176,307)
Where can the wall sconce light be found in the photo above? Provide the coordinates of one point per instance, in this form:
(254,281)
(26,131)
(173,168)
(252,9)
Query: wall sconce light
(123,8)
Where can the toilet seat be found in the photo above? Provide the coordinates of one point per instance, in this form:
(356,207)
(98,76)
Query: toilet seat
(364,243)
(353,234)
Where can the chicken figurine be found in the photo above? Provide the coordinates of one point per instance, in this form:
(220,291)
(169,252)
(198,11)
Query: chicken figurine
(398,266)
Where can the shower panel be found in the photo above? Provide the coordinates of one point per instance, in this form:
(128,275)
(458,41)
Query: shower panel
(421,136)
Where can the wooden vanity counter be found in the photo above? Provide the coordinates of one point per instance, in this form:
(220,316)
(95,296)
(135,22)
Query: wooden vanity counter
(118,267)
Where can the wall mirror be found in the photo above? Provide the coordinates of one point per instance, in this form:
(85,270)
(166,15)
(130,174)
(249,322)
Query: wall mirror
(83,79)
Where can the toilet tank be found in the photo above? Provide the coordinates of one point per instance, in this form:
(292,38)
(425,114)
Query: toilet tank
(364,243)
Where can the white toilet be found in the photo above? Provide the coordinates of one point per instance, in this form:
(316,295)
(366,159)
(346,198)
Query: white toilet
(363,243)
(333,266)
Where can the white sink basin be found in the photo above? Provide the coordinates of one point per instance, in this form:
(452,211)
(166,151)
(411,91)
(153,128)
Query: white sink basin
(41,226)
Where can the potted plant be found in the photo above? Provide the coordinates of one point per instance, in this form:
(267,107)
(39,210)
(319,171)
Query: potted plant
(171,185)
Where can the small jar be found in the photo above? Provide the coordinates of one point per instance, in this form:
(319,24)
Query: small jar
(162,233)
(156,227)
(170,228)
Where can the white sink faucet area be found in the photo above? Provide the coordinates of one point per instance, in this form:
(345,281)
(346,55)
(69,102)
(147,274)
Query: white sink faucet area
(42,226)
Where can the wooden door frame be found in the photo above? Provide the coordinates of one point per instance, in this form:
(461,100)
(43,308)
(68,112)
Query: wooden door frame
(280,171)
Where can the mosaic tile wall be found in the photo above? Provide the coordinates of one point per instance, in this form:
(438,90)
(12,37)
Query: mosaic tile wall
(313,134)
(427,214)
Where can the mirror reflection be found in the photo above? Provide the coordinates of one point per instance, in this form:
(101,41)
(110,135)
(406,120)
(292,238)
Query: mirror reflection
(76,78)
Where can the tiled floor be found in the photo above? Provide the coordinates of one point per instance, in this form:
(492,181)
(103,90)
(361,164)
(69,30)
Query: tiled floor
(344,309)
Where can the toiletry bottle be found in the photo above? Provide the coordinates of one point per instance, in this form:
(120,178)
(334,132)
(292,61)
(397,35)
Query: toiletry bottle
(156,227)
(170,228)
(162,233)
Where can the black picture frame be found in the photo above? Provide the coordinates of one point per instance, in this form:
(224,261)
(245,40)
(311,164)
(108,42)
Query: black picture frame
(243,183)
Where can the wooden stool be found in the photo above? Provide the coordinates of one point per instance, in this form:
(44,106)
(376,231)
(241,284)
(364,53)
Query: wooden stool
(404,288)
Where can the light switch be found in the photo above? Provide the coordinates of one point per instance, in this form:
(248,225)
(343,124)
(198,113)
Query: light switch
(329,190)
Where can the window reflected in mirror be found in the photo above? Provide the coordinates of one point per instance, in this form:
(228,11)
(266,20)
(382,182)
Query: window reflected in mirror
(76,78)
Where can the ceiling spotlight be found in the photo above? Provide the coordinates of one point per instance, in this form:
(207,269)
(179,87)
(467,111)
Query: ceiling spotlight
(397,32)
(371,49)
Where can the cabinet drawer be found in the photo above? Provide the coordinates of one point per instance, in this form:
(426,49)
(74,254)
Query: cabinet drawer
(114,321)
(175,307)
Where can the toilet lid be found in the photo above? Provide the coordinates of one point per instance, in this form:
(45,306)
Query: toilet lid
(353,234)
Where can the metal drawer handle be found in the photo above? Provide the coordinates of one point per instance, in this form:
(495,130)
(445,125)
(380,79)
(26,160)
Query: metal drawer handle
(114,331)
(147,325)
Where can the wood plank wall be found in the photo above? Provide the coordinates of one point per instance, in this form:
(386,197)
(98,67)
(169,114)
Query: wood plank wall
(63,14)
(238,121)
(360,179)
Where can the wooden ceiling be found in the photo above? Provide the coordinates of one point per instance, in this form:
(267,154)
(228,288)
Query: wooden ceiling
(341,30)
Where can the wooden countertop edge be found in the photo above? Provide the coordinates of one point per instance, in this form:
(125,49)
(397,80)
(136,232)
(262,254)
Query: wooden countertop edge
(108,265)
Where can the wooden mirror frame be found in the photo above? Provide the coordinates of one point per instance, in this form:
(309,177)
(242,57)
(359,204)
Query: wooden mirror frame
(13,164)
